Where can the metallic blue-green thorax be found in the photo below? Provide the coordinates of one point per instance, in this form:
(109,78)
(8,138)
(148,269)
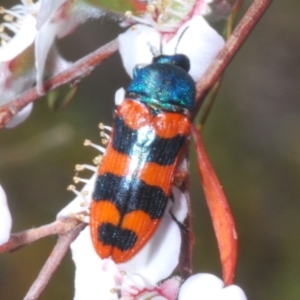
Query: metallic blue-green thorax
(164,84)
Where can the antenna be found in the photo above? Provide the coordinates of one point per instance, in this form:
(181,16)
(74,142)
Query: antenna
(153,49)
(180,37)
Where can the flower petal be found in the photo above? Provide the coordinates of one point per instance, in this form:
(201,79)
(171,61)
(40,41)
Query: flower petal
(232,292)
(179,207)
(23,39)
(170,287)
(209,287)
(46,10)
(119,96)
(5,218)
(91,281)
(200,42)
(20,117)
(134,46)
(203,285)
(43,43)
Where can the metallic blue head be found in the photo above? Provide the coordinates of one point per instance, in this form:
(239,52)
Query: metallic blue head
(164,84)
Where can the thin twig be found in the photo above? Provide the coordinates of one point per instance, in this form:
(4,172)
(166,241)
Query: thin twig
(208,104)
(78,70)
(18,240)
(52,263)
(243,29)
(232,18)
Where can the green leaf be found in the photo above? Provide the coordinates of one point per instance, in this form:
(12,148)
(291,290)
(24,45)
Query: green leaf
(59,98)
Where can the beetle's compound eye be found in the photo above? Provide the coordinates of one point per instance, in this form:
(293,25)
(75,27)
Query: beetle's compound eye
(179,60)
(182,61)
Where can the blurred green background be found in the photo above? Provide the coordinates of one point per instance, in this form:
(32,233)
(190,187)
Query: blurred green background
(252,137)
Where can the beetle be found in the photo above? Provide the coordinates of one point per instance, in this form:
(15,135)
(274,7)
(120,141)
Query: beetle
(149,133)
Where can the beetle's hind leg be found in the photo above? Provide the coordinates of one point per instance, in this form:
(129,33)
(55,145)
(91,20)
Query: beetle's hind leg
(181,225)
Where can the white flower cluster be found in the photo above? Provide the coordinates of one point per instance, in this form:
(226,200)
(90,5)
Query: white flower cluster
(27,52)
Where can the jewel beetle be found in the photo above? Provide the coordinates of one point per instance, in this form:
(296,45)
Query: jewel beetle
(149,133)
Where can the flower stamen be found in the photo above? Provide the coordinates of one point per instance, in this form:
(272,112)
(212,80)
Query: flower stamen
(97,160)
(84,204)
(103,127)
(12,20)
(77,179)
(90,144)
(83,167)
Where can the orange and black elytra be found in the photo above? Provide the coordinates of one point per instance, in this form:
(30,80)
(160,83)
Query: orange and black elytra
(149,133)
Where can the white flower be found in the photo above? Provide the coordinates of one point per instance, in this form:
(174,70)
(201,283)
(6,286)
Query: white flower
(27,52)
(16,55)
(16,51)
(14,81)
(20,117)
(209,287)
(58,18)
(92,282)
(41,22)
(200,42)
(100,279)
(19,20)
(5,218)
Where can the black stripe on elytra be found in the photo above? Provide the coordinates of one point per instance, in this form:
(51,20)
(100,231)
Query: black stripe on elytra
(165,151)
(123,239)
(124,136)
(158,150)
(130,195)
